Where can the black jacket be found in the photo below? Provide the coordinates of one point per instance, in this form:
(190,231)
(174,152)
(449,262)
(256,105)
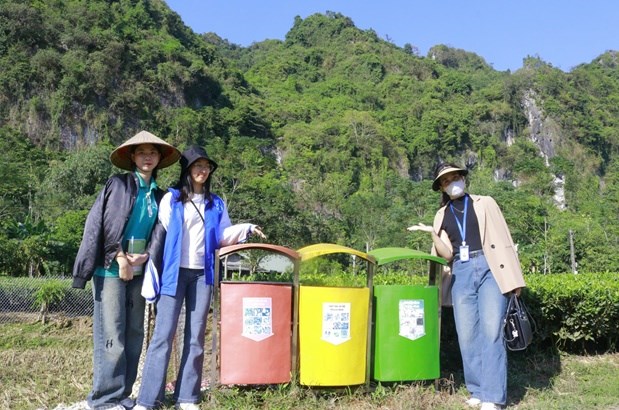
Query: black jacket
(105,224)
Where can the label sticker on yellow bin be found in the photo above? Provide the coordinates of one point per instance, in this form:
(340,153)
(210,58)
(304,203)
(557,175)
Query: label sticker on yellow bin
(412,323)
(336,322)
(257,318)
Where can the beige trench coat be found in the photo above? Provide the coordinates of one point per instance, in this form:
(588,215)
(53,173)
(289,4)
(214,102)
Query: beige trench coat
(496,241)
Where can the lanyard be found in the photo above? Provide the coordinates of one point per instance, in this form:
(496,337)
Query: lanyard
(461,226)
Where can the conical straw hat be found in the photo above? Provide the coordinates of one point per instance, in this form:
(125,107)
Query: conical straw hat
(121,156)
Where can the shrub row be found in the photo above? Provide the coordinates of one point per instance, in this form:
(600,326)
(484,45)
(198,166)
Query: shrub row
(575,313)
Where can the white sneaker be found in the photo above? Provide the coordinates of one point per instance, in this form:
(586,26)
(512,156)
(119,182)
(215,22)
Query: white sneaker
(187,406)
(489,406)
(140,407)
(473,402)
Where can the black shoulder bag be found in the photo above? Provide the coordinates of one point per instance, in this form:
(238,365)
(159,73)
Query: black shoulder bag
(517,325)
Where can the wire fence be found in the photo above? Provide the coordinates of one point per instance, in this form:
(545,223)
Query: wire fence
(23,299)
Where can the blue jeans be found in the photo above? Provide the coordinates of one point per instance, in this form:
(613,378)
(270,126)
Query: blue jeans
(118,333)
(479,308)
(193,290)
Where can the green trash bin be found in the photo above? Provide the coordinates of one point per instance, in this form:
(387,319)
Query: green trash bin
(406,343)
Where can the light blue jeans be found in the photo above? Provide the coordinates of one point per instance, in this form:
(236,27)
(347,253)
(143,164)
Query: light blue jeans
(479,308)
(118,333)
(196,294)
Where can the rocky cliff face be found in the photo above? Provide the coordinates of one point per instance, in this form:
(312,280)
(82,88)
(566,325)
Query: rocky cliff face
(545,133)
(542,131)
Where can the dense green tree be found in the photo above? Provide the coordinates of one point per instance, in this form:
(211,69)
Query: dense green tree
(73,183)
(22,167)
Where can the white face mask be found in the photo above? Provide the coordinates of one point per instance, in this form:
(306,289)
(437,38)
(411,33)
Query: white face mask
(455,189)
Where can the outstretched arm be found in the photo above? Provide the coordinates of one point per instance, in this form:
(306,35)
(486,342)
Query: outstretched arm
(442,248)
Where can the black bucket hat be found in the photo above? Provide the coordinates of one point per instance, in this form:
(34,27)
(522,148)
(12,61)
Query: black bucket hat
(192,154)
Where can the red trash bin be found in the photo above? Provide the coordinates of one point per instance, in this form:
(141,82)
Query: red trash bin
(256,322)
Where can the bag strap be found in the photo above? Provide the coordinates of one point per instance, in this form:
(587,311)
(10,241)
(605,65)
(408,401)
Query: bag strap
(515,302)
(197,210)
(518,304)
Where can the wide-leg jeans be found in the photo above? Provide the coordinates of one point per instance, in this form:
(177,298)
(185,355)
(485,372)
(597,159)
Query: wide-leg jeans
(193,290)
(118,333)
(479,309)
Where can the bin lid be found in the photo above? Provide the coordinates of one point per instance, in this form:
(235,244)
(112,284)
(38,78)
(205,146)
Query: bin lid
(282,250)
(319,249)
(387,255)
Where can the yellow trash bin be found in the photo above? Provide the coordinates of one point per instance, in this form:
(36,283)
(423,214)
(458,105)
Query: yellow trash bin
(334,326)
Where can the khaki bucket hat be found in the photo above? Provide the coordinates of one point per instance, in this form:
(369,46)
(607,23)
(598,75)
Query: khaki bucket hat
(443,169)
(121,156)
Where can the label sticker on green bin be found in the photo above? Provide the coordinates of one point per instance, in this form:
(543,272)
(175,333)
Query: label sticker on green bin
(257,318)
(412,315)
(336,322)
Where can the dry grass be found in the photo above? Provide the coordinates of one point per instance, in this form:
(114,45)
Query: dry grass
(44,365)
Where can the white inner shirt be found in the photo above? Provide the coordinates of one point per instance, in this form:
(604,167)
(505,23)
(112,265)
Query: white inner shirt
(192,255)
(193,246)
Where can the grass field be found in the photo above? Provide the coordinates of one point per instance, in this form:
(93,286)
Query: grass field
(50,367)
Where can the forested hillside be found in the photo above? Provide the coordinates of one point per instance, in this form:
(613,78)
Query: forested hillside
(328,136)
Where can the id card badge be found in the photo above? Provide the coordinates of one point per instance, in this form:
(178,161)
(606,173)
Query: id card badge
(464,253)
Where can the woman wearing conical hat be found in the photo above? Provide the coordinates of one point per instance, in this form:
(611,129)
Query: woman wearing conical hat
(112,253)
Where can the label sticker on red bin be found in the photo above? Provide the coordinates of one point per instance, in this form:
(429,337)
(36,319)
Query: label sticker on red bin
(257,318)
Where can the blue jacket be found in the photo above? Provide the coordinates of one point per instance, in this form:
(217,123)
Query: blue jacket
(173,239)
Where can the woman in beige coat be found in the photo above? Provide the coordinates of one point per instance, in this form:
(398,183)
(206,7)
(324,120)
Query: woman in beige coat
(471,233)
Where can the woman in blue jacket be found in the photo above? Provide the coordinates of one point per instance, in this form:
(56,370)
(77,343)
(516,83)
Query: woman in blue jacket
(194,220)
(125,208)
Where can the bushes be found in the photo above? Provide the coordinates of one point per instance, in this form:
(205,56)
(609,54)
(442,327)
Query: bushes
(51,292)
(575,312)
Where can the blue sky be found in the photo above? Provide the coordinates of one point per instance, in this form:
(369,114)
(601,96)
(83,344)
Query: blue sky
(564,33)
